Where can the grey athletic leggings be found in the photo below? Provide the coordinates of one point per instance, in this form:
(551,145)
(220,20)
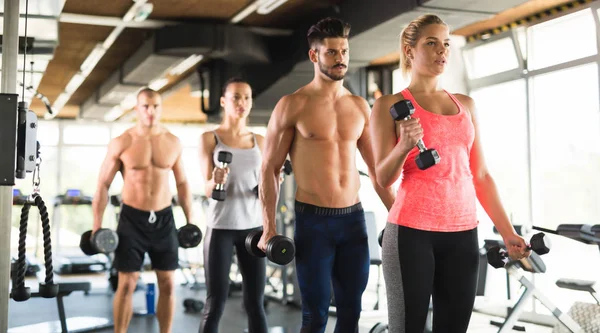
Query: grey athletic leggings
(418,265)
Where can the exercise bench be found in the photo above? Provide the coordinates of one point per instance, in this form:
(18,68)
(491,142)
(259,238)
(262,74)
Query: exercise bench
(64,325)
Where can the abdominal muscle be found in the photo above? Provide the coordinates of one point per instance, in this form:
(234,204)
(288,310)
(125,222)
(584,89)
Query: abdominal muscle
(325,173)
(146,189)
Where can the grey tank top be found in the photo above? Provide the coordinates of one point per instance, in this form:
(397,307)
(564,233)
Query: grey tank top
(241,209)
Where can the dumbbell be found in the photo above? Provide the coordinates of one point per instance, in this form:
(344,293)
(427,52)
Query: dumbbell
(428,157)
(193,305)
(103,241)
(498,257)
(380,237)
(224,159)
(280,249)
(287,169)
(189,236)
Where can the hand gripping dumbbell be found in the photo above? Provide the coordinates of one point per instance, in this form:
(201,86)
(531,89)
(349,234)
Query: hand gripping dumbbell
(224,159)
(189,236)
(280,249)
(498,257)
(428,157)
(102,241)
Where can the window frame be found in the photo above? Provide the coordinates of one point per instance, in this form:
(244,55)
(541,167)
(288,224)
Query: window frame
(510,34)
(528,75)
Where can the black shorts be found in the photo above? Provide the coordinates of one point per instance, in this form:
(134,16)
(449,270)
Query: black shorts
(140,232)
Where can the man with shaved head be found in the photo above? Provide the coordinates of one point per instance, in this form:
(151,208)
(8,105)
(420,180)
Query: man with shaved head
(145,154)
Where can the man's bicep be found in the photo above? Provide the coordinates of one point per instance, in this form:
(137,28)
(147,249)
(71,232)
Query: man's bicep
(179,170)
(278,141)
(110,166)
(364,141)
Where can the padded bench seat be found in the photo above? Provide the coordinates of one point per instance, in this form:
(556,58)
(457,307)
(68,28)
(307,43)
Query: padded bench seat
(574,284)
(580,285)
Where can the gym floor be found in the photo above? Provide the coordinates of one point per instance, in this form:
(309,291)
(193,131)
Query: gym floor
(99,304)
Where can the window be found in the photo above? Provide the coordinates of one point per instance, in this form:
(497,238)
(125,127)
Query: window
(86,134)
(567,146)
(47,133)
(502,119)
(119,128)
(81,167)
(188,135)
(491,58)
(562,39)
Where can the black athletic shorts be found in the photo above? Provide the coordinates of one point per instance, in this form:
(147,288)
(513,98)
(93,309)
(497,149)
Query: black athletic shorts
(140,232)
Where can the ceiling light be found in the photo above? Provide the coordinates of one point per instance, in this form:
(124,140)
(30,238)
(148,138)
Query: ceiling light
(134,11)
(61,101)
(92,59)
(268,6)
(108,42)
(143,12)
(75,82)
(158,84)
(198,93)
(114,113)
(186,64)
(245,12)
(129,102)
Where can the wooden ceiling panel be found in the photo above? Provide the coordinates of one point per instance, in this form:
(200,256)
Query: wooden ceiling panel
(75,43)
(392,58)
(289,14)
(98,7)
(199,9)
(510,15)
(125,45)
(180,106)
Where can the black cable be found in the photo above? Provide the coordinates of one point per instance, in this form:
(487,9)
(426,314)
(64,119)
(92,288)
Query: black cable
(47,239)
(19,279)
(48,289)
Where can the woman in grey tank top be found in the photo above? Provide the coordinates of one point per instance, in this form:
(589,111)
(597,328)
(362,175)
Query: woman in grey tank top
(231,220)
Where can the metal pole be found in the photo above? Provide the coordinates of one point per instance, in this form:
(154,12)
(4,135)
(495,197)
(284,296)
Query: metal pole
(10,53)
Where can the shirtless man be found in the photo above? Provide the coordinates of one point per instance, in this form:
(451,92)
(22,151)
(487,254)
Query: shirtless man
(321,125)
(145,154)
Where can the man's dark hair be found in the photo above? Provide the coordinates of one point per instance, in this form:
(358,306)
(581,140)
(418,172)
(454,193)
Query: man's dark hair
(327,28)
(235,79)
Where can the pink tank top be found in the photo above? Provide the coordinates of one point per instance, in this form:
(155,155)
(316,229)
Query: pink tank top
(442,197)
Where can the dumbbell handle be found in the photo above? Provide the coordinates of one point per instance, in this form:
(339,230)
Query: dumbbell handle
(221,187)
(504,253)
(420,143)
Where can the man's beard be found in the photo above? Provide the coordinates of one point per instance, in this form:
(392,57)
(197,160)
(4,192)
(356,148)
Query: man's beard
(334,77)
